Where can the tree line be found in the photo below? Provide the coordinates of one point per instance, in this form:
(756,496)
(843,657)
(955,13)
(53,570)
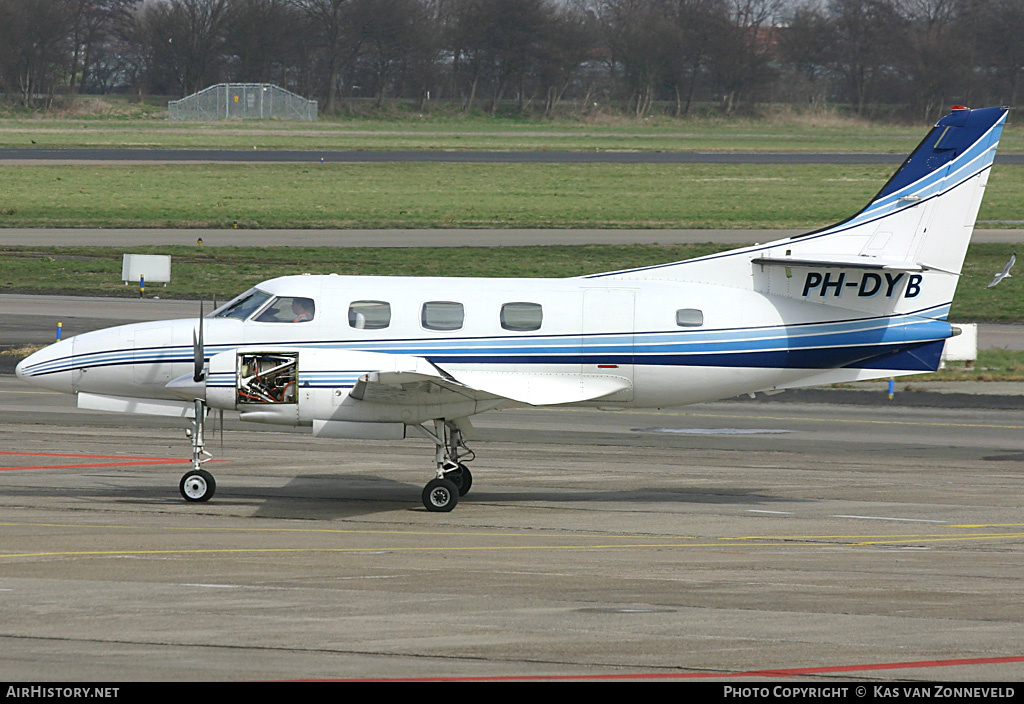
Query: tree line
(532,56)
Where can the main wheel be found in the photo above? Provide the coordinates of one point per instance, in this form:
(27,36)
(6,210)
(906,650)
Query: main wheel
(197,485)
(440,495)
(462,478)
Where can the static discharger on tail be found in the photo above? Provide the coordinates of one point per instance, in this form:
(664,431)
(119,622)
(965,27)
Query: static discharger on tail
(355,357)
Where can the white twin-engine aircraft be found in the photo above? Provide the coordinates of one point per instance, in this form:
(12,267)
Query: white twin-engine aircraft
(373,357)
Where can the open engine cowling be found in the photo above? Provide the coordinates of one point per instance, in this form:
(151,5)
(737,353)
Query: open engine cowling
(299,386)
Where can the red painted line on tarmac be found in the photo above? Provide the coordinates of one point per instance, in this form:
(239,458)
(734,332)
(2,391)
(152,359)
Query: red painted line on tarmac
(788,672)
(122,460)
(890,666)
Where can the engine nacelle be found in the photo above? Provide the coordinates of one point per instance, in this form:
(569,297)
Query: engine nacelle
(297,386)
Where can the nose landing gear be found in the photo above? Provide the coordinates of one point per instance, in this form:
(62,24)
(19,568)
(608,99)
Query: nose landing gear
(198,484)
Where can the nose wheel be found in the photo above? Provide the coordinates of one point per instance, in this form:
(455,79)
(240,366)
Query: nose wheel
(197,485)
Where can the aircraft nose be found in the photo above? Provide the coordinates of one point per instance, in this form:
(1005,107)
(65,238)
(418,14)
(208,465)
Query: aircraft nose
(50,367)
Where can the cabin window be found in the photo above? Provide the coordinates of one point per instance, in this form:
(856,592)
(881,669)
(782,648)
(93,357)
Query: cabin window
(288,309)
(689,318)
(442,315)
(521,317)
(244,306)
(369,315)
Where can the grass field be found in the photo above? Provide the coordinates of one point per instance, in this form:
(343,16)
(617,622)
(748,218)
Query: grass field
(991,365)
(221,272)
(453,195)
(457,195)
(823,132)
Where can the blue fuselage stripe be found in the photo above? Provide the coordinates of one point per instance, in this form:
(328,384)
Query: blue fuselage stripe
(814,345)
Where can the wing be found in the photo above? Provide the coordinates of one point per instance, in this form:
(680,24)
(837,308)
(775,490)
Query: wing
(531,388)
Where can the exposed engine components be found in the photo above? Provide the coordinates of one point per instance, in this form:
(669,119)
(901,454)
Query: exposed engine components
(267,378)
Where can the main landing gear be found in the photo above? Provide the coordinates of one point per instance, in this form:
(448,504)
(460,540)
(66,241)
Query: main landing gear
(198,484)
(453,478)
(441,494)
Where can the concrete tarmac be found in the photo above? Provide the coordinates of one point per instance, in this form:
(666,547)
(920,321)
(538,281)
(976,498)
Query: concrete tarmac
(713,542)
(820,541)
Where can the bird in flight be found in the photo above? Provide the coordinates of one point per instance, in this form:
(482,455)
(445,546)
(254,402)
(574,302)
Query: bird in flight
(1005,273)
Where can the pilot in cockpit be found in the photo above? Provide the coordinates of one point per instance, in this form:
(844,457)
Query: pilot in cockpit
(302,308)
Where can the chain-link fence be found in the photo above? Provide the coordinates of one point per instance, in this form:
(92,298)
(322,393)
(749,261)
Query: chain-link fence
(246,101)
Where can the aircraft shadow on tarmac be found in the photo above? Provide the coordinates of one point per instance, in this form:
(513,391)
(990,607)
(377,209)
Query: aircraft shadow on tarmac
(326,497)
(329,496)
(1008,457)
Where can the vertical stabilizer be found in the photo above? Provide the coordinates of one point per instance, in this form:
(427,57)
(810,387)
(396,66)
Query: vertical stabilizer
(902,253)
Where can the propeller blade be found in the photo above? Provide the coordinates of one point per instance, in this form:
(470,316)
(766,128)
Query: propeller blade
(197,349)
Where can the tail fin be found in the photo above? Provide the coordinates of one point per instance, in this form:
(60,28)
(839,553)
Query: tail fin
(902,253)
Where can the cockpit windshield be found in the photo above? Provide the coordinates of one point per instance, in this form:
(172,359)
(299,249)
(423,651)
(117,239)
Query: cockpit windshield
(243,306)
(288,309)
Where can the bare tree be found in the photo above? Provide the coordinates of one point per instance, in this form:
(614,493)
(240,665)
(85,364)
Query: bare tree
(938,53)
(567,42)
(807,47)
(462,37)
(35,50)
(745,52)
(395,36)
(638,34)
(330,29)
(185,42)
(702,33)
(870,39)
(264,40)
(1000,32)
(93,24)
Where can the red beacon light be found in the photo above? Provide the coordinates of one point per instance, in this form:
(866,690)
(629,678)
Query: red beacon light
(959,107)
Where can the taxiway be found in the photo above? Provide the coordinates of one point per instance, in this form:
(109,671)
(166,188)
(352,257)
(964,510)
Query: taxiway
(703,542)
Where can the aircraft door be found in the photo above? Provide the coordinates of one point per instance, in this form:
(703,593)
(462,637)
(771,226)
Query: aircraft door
(607,341)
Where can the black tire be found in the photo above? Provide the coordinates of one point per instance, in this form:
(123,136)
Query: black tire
(197,485)
(462,478)
(440,495)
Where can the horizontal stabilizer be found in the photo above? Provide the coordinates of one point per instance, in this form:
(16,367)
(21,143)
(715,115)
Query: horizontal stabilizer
(850,262)
(843,262)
